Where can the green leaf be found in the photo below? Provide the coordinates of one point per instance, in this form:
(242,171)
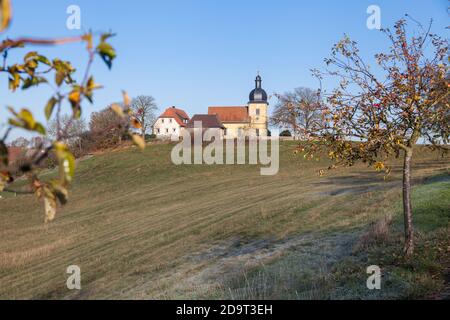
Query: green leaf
(33,81)
(49,107)
(59,78)
(66,162)
(24,119)
(26,116)
(107,53)
(39,128)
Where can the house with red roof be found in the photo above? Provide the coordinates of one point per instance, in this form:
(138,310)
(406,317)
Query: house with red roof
(170,123)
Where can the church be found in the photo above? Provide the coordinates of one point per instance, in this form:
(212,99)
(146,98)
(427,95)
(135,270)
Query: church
(252,116)
(230,120)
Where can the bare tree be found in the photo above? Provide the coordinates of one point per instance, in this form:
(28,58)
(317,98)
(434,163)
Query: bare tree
(20,142)
(74,129)
(144,108)
(298,110)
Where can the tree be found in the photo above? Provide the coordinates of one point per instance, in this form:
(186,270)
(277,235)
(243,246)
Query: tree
(298,110)
(369,118)
(33,70)
(144,108)
(74,128)
(20,142)
(107,128)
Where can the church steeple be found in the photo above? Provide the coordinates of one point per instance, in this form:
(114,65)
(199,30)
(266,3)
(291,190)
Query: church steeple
(258,95)
(258,81)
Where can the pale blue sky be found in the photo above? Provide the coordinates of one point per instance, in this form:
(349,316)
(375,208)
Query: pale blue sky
(196,53)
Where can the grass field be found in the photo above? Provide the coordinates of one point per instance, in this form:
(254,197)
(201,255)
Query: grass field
(140,227)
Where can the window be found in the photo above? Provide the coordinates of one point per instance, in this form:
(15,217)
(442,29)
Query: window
(162,120)
(158,130)
(174,130)
(257,112)
(167,130)
(170,120)
(257,132)
(225,131)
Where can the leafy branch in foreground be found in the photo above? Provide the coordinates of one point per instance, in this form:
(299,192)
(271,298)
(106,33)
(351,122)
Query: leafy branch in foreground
(34,70)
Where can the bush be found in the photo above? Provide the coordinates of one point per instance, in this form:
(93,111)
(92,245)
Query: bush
(107,129)
(285,133)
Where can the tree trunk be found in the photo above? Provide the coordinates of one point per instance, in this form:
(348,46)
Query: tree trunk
(407,208)
(143,129)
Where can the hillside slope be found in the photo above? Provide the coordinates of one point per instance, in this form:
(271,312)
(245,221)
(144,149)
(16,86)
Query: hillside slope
(140,227)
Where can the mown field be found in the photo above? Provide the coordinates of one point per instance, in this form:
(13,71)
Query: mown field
(140,227)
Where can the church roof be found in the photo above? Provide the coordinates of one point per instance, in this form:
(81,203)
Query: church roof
(179,115)
(230,114)
(207,120)
(258,95)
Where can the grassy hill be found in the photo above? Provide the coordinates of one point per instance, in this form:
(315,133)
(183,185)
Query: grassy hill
(140,227)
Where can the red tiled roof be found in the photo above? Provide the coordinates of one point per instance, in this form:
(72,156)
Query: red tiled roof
(178,114)
(207,120)
(230,114)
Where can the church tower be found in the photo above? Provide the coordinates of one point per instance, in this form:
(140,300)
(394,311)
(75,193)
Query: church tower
(258,109)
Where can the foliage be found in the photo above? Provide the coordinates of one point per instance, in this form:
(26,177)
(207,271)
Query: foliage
(144,108)
(107,128)
(36,69)
(285,133)
(298,110)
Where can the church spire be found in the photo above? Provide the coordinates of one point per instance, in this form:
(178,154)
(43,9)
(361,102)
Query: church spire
(258,81)
(258,95)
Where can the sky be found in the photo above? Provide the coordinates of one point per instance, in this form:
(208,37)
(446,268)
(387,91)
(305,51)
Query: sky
(196,53)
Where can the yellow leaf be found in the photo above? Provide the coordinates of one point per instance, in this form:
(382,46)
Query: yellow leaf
(74,97)
(3,181)
(139,141)
(5,14)
(88,38)
(126,99)
(379,166)
(50,208)
(136,124)
(27,117)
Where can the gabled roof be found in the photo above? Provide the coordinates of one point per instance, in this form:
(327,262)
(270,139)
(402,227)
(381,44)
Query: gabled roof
(179,115)
(207,120)
(230,114)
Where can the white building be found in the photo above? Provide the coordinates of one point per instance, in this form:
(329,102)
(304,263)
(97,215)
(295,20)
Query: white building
(170,123)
